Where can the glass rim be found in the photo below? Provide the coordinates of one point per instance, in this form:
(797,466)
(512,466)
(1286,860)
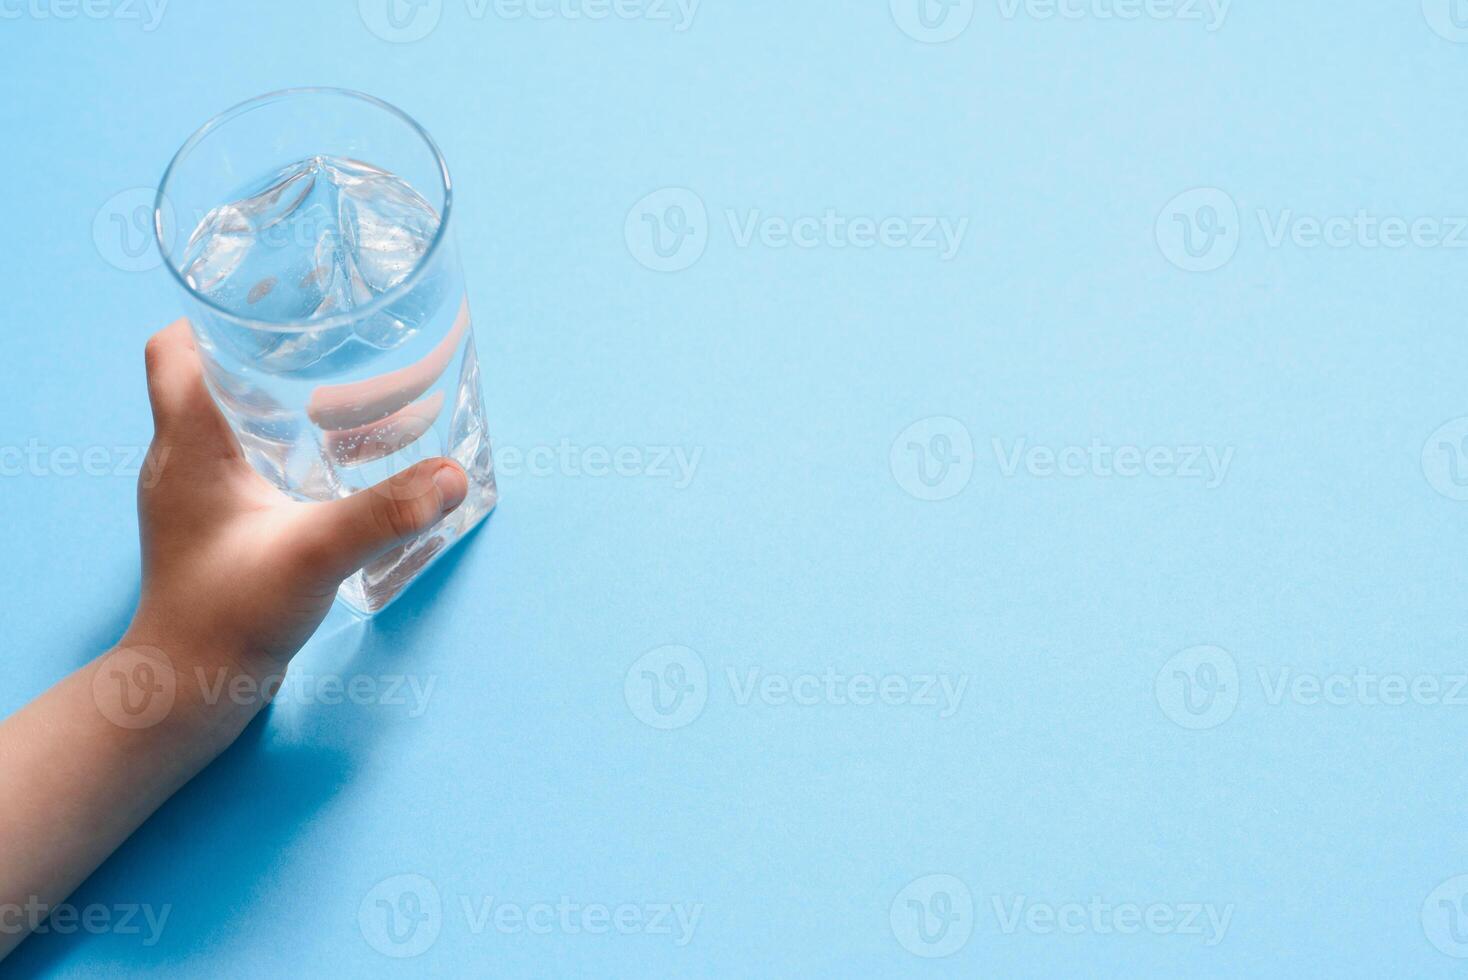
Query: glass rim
(410,281)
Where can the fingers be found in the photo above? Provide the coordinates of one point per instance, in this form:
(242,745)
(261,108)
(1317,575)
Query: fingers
(182,405)
(332,540)
(175,379)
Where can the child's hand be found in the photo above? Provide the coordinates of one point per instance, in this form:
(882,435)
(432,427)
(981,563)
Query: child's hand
(235,578)
(232,568)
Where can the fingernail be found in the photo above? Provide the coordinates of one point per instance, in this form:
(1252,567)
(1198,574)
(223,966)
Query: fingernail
(452,486)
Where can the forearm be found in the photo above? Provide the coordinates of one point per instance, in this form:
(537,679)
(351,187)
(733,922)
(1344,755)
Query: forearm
(86,763)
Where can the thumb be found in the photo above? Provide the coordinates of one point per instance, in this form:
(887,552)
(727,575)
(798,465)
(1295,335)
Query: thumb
(335,539)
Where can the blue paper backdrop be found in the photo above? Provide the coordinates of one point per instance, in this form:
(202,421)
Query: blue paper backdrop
(983,492)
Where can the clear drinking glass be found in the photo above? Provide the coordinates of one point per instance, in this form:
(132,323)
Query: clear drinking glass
(310,230)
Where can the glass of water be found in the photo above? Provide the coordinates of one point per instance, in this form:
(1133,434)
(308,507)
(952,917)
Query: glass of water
(310,232)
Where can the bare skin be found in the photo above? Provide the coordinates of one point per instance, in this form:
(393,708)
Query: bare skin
(236,578)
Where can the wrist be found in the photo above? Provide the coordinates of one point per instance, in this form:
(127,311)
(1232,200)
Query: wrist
(201,638)
(175,678)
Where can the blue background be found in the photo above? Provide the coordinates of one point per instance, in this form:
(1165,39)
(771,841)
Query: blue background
(796,549)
